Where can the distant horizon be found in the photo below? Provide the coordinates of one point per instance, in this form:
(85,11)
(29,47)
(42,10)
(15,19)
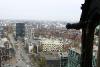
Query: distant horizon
(41,19)
(36,20)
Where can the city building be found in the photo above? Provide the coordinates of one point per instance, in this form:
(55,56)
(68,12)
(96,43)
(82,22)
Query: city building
(6,50)
(51,45)
(29,37)
(64,61)
(2,27)
(20,30)
(74,58)
(63,58)
(52,60)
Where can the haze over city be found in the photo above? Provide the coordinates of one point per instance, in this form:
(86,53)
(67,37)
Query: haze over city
(41,9)
(49,33)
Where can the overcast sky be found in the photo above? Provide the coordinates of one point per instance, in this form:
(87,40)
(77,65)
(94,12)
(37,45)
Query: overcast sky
(41,9)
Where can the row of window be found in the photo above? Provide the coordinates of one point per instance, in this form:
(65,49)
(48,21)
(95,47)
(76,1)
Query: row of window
(74,59)
(74,55)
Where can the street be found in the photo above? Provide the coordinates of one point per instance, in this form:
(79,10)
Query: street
(22,59)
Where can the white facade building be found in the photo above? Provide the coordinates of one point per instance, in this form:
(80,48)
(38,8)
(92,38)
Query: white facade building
(52,45)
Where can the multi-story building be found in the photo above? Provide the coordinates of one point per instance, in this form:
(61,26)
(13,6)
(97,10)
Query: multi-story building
(28,36)
(2,26)
(74,58)
(63,56)
(6,51)
(50,45)
(20,30)
(52,61)
(14,28)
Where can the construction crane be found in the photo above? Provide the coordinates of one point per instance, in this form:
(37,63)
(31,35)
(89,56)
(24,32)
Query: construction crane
(89,20)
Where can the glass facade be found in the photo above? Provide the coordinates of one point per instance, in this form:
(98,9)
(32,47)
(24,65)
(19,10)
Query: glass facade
(20,29)
(74,59)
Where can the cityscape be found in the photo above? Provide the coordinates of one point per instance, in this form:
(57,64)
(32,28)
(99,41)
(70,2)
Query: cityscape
(35,43)
(49,33)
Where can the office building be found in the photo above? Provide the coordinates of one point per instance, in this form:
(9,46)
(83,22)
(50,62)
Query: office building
(20,30)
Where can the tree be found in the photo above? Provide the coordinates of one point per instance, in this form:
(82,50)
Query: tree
(42,62)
